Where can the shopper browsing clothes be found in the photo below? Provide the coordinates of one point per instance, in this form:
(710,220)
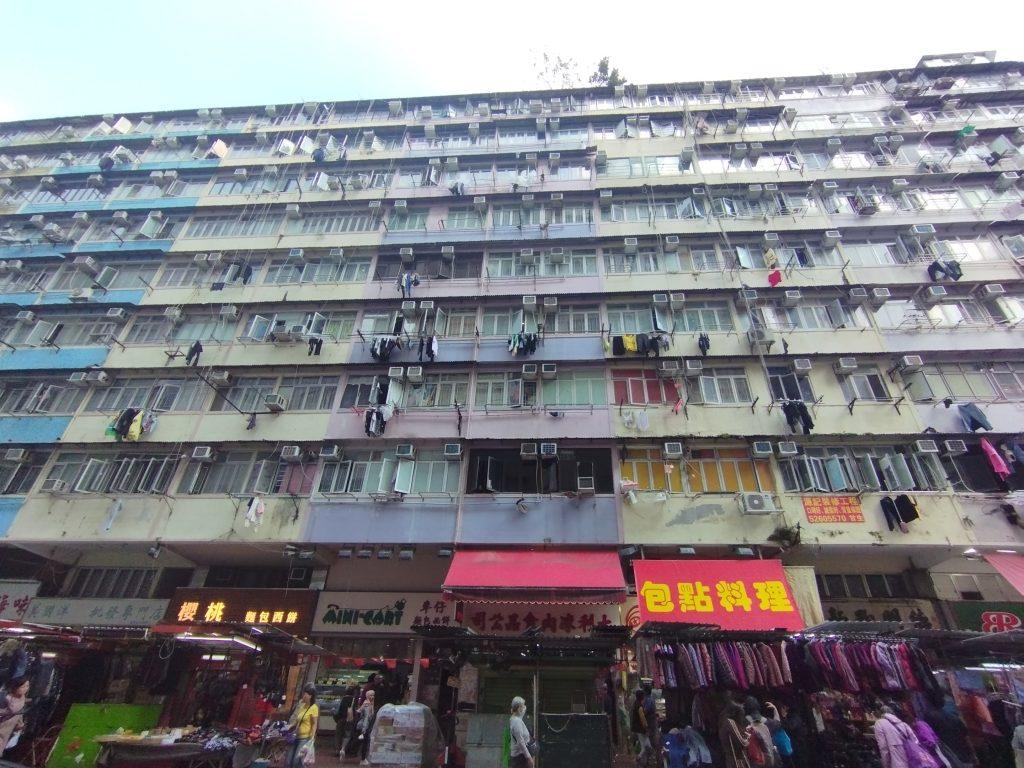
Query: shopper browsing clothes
(519,736)
(305,718)
(365,717)
(12,706)
(897,744)
(734,735)
(780,736)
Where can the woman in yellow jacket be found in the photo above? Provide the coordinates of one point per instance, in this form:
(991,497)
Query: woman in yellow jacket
(305,719)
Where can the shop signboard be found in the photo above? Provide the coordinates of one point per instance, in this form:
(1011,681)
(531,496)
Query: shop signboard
(833,509)
(731,594)
(15,598)
(552,620)
(96,612)
(987,617)
(288,609)
(920,613)
(381,613)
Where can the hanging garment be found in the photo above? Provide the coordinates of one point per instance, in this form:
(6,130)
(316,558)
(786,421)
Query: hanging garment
(774,278)
(953,269)
(192,358)
(936,270)
(254,512)
(618,347)
(643,423)
(792,414)
(315,345)
(995,460)
(124,422)
(892,515)
(973,417)
(907,508)
(629,342)
(433,348)
(771,261)
(246,274)
(805,416)
(704,344)
(419,354)
(148,422)
(135,428)
(641,343)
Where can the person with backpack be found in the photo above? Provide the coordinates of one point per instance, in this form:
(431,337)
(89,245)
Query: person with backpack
(897,743)
(780,737)
(343,717)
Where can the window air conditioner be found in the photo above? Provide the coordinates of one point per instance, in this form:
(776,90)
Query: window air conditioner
(453,451)
(117,314)
(760,336)
(395,108)
(548,371)
(585,486)
(16,455)
(748,295)
(80,295)
(833,145)
(405,451)
(99,378)
(879,296)
(605,198)
(330,452)
(396,373)
(528,256)
(692,368)
(659,299)
(802,365)
(409,308)
(86,264)
(673,450)
(427,306)
(480,204)
(291,453)
(173,314)
(934,294)
(761,449)
(791,298)
(293,211)
(27,316)
(555,256)
(858,296)
(991,291)
(448,252)
(787,448)
(668,369)
(549,450)
(203,453)
(954,447)
(845,365)
(275,403)
(911,363)
(528,451)
(757,503)
(229,312)
(414,374)
(831,237)
(922,232)
(337,253)
(1006,180)
(671,243)
(629,244)
(220,379)
(529,371)
(530,304)
(54,485)
(754,191)
(926,446)
(406,255)
(550,304)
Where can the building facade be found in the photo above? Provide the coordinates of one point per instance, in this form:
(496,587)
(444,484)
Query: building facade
(327,344)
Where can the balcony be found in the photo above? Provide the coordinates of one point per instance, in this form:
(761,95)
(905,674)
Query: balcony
(199,295)
(205,428)
(87,518)
(224,355)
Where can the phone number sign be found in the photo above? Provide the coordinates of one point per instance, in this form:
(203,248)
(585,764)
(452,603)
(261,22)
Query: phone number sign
(732,594)
(833,509)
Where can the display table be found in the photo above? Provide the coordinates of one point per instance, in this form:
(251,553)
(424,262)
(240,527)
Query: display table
(128,750)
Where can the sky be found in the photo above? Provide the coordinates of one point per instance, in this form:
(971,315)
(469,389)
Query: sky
(76,58)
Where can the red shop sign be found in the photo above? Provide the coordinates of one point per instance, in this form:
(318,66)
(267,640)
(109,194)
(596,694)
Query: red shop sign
(732,594)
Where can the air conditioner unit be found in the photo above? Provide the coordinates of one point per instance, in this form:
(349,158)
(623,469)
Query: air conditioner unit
(786,448)
(829,187)
(692,368)
(879,296)
(54,485)
(275,403)
(555,256)
(911,363)
(671,243)
(406,255)
(528,256)
(845,365)
(629,244)
(802,365)
(739,149)
(396,373)
(529,371)
(833,145)
(934,294)
(117,314)
(448,252)
(17,455)
(673,450)
(414,374)
(453,451)
(528,451)
(330,452)
(174,314)
(229,312)
(761,449)
(754,191)
(585,486)
(480,204)
(1006,180)
(858,296)
(760,336)
(551,304)
(78,379)
(548,450)
(831,237)
(530,304)
(922,232)
(954,447)
(27,316)
(791,298)
(757,503)
(80,295)
(748,295)
(659,299)
(409,308)
(99,378)
(86,264)
(668,369)
(991,291)
(926,446)
(291,453)
(293,211)
(604,198)
(220,379)
(771,240)
(427,306)
(203,453)
(548,371)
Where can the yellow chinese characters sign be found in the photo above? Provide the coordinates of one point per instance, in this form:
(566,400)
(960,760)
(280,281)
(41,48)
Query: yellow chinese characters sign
(292,610)
(833,509)
(733,594)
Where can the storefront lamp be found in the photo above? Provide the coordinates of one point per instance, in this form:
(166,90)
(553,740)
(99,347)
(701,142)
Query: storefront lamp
(385,553)
(687,551)
(406,554)
(743,551)
(345,553)
(444,553)
(364,553)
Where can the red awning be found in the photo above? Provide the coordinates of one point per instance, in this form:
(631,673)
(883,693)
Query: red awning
(542,576)
(1010,566)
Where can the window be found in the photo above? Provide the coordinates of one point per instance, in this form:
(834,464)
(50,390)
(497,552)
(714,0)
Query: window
(575,320)
(412,221)
(649,471)
(721,386)
(373,472)
(1009,377)
(575,388)
(377,323)
(65,330)
(727,470)
(514,216)
(150,394)
(624,263)
(504,390)
(18,479)
(630,318)
(846,470)
(573,263)
(445,390)
(502,322)
(706,316)
(502,470)
(233,226)
(40,397)
(121,474)
(463,218)
(244,473)
(872,254)
(126,583)
(864,385)
(333,222)
(179,274)
(461,322)
(957,381)
(287,270)
(505,264)
(787,385)
(309,393)
(639,387)
(570,214)
(246,394)
(358,391)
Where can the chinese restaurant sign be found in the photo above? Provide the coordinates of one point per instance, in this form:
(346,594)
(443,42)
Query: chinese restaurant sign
(288,609)
(920,613)
(387,613)
(833,509)
(732,594)
(15,598)
(549,620)
(104,612)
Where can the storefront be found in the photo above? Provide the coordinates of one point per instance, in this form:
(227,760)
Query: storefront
(15,598)
(232,656)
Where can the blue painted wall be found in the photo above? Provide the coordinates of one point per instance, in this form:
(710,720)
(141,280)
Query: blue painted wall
(68,359)
(108,297)
(32,429)
(9,507)
(41,251)
(368,522)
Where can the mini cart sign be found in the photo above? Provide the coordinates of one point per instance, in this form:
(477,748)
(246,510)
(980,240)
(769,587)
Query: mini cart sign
(732,594)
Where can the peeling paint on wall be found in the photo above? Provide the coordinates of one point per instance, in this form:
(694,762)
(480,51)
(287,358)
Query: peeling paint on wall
(696,514)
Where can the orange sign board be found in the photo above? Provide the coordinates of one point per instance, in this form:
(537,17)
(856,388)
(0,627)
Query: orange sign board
(833,509)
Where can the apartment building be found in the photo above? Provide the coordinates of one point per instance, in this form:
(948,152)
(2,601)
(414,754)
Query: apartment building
(329,345)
